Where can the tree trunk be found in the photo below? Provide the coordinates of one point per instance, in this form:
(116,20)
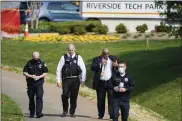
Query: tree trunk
(32,23)
(37,24)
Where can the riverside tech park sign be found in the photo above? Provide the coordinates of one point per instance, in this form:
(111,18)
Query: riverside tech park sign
(121,9)
(131,14)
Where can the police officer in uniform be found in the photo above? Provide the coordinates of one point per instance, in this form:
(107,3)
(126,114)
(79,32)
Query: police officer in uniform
(35,70)
(123,85)
(72,72)
(103,67)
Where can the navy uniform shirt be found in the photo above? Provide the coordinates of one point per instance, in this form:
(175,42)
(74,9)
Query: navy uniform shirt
(35,68)
(128,85)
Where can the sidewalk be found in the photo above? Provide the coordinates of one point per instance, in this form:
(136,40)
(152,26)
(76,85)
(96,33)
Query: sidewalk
(14,85)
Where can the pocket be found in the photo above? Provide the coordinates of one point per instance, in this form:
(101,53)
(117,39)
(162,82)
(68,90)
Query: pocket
(30,70)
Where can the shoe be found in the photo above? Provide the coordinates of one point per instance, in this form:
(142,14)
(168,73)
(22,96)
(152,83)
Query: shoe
(64,114)
(72,115)
(100,118)
(111,117)
(40,115)
(31,116)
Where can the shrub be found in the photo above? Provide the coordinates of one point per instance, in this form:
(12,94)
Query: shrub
(125,36)
(67,27)
(147,36)
(135,36)
(139,35)
(22,28)
(142,28)
(92,25)
(160,35)
(152,34)
(79,31)
(163,28)
(180,31)
(121,28)
(34,30)
(128,34)
(44,26)
(63,30)
(101,29)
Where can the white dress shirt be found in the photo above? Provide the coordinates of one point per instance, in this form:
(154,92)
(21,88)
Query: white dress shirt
(106,70)
(61,64)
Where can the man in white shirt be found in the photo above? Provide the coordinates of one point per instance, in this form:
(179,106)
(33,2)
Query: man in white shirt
(103,67)
(72,72)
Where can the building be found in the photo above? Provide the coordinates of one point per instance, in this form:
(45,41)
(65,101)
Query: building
(131,14)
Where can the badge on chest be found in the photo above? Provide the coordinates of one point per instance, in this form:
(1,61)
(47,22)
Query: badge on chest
(40,65)
(126,79)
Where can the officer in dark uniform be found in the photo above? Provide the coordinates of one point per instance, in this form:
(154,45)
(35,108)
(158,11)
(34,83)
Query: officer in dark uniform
(71,70)
(35,70)
(122,85)
(103,67)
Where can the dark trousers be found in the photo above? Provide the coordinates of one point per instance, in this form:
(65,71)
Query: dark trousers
(102,89)
(35,89)
(123,106)
(70,90)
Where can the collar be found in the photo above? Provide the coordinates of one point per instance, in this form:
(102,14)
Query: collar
(72,55)
(35,62)
(122,75)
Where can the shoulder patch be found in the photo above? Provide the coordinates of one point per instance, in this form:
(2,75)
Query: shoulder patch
(45,64)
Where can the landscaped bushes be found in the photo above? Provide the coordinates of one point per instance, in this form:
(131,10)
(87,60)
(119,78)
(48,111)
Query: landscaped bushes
(101,29)
(79,30)
(180,32)
(121,28)
(77,27)
(163,28)
(142,28)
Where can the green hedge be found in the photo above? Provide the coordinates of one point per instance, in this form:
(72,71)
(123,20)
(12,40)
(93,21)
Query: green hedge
(163,28)
(77,27)
(142,28)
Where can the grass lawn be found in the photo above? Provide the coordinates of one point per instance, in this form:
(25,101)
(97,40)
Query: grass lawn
(157,70)
(10,111)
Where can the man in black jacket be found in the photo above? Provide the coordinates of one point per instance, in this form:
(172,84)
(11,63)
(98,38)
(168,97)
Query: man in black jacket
(122,85)
(35,70)
(103,67)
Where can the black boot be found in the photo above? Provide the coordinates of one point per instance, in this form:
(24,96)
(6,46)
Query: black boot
(40,115)
(64,114)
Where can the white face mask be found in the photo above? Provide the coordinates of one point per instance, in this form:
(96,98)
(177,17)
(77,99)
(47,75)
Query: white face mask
(121,70)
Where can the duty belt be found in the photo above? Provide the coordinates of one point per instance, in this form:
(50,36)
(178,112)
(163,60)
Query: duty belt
(70,77)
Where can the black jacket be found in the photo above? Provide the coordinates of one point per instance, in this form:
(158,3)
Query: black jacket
(95,66)
(128,85)
(35,68)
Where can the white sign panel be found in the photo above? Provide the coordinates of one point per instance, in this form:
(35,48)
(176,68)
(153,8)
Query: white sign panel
(121,9)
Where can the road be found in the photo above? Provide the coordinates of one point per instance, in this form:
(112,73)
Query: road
(14,85)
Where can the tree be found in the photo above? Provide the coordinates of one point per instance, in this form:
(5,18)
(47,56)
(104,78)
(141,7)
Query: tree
(173,12)
(34,10)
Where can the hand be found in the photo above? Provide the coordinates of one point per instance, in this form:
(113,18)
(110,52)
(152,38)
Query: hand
(59,84)
(116,88)
(102,74)
(32,76)
(115,64)
(36,78)
(82,83)
(103,62)
(122,90)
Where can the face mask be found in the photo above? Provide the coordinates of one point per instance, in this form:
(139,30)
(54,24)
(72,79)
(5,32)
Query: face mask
(121,70)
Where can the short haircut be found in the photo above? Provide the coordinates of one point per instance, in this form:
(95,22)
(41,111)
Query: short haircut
(122,62)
